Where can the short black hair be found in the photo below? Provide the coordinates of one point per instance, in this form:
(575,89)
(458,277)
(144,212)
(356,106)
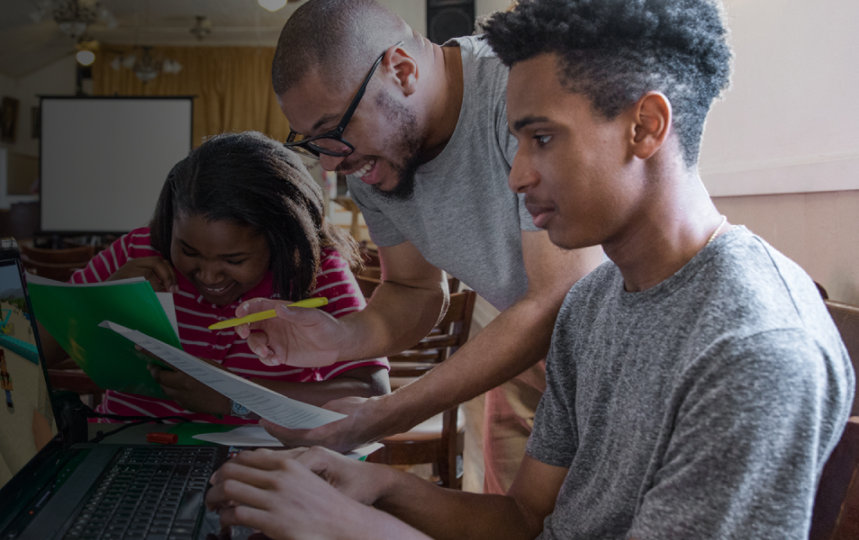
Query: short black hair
(253,180)
(615,51)
(341,38)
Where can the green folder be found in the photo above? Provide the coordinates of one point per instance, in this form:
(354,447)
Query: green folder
(72,313)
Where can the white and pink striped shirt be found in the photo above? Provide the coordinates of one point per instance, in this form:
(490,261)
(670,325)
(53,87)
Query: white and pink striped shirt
(335,281)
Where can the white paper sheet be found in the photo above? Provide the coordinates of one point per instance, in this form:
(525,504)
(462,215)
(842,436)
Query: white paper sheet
(266,403)
(254,435)
(166,300)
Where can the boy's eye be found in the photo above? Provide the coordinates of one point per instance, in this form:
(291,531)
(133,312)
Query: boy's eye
(189,253)
(235,261)
(542,139)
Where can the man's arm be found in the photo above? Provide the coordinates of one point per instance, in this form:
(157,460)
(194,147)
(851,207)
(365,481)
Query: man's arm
(195,396)
(514,340)
(410,300)
(259,488)
(444,513)
(403,309)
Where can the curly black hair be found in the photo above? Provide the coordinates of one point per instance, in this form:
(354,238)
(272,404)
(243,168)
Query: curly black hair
(250,179)
(615,51)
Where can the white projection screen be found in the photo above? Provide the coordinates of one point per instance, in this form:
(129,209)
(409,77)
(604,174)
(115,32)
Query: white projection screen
(103,160)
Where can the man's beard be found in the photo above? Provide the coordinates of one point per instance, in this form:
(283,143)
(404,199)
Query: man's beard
(409,146)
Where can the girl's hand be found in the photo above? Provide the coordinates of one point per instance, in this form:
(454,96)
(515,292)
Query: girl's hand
(157,271)
(190,393)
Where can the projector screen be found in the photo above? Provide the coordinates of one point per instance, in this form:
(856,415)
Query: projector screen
(103,160)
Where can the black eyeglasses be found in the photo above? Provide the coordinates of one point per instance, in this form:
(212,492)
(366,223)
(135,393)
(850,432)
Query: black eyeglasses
(332,143)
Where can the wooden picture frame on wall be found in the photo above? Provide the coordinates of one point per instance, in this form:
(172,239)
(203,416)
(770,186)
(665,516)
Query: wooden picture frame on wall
(8,119)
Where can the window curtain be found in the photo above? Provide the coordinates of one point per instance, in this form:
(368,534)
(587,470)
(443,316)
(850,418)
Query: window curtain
(231,86)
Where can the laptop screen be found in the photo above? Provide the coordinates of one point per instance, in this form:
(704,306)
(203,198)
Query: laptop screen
(26,417)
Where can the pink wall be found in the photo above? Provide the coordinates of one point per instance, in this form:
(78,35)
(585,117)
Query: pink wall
(820,231)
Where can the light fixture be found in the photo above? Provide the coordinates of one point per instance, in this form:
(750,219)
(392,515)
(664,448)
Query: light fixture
(271,5)
(147,66)
(85,57)
(74,16)
(202,27)
(86,49)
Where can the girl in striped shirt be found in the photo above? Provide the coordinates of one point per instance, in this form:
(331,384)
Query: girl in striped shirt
(239,218)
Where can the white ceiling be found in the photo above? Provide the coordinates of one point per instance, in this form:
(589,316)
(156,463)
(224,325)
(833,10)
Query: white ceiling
(27,45)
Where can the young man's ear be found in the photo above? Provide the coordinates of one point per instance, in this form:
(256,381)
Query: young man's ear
(403,67)
(652,124)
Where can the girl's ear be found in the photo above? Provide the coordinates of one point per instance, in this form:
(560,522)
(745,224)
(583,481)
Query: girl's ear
(652,124)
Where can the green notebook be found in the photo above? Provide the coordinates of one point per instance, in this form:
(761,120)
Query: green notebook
(72,313)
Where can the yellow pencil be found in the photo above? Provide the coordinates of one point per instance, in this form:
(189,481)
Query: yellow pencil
(315,302)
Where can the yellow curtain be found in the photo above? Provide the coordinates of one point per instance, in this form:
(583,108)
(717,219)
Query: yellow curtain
(231,86)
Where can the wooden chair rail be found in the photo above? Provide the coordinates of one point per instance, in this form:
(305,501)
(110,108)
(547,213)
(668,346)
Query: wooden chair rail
(836,504)
(440,440)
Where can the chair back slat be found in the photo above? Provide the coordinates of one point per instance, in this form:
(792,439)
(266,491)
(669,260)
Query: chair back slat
(846,319)
(836,504)
(444,447)
(58,264)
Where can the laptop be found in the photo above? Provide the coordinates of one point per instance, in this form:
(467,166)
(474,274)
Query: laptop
(53,486)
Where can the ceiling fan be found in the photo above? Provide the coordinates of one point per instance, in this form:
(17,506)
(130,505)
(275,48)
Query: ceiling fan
(74,19)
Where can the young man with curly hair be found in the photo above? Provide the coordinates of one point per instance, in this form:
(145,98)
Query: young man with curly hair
(695,382)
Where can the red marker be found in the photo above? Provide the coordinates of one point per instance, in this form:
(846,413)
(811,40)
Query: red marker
(162,438)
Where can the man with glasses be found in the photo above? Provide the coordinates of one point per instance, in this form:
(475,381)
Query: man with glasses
(422,135)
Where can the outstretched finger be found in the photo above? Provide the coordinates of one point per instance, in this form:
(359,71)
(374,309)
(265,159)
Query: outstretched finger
(263,458)
(164,272)
(288,436)
(230,492)
(231,471)
(244,515)
(258,344)
(246,308)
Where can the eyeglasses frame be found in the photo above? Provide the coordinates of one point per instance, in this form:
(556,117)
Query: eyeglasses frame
(337,132)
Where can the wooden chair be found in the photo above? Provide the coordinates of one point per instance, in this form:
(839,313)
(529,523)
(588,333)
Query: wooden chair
(846,318)
(836,504)
(441,439)
(66,375)
(58,264)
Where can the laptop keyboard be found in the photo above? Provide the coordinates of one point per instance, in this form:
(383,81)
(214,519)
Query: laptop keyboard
(149,493)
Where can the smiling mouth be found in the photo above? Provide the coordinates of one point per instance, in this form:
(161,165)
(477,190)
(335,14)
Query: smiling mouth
(215,291)
(366,168)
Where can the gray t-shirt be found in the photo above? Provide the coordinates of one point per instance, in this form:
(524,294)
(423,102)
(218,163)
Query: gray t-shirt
(703,407)
(463,218)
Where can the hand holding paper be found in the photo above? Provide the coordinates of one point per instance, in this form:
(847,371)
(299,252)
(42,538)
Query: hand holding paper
(266,403)
(71,313)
